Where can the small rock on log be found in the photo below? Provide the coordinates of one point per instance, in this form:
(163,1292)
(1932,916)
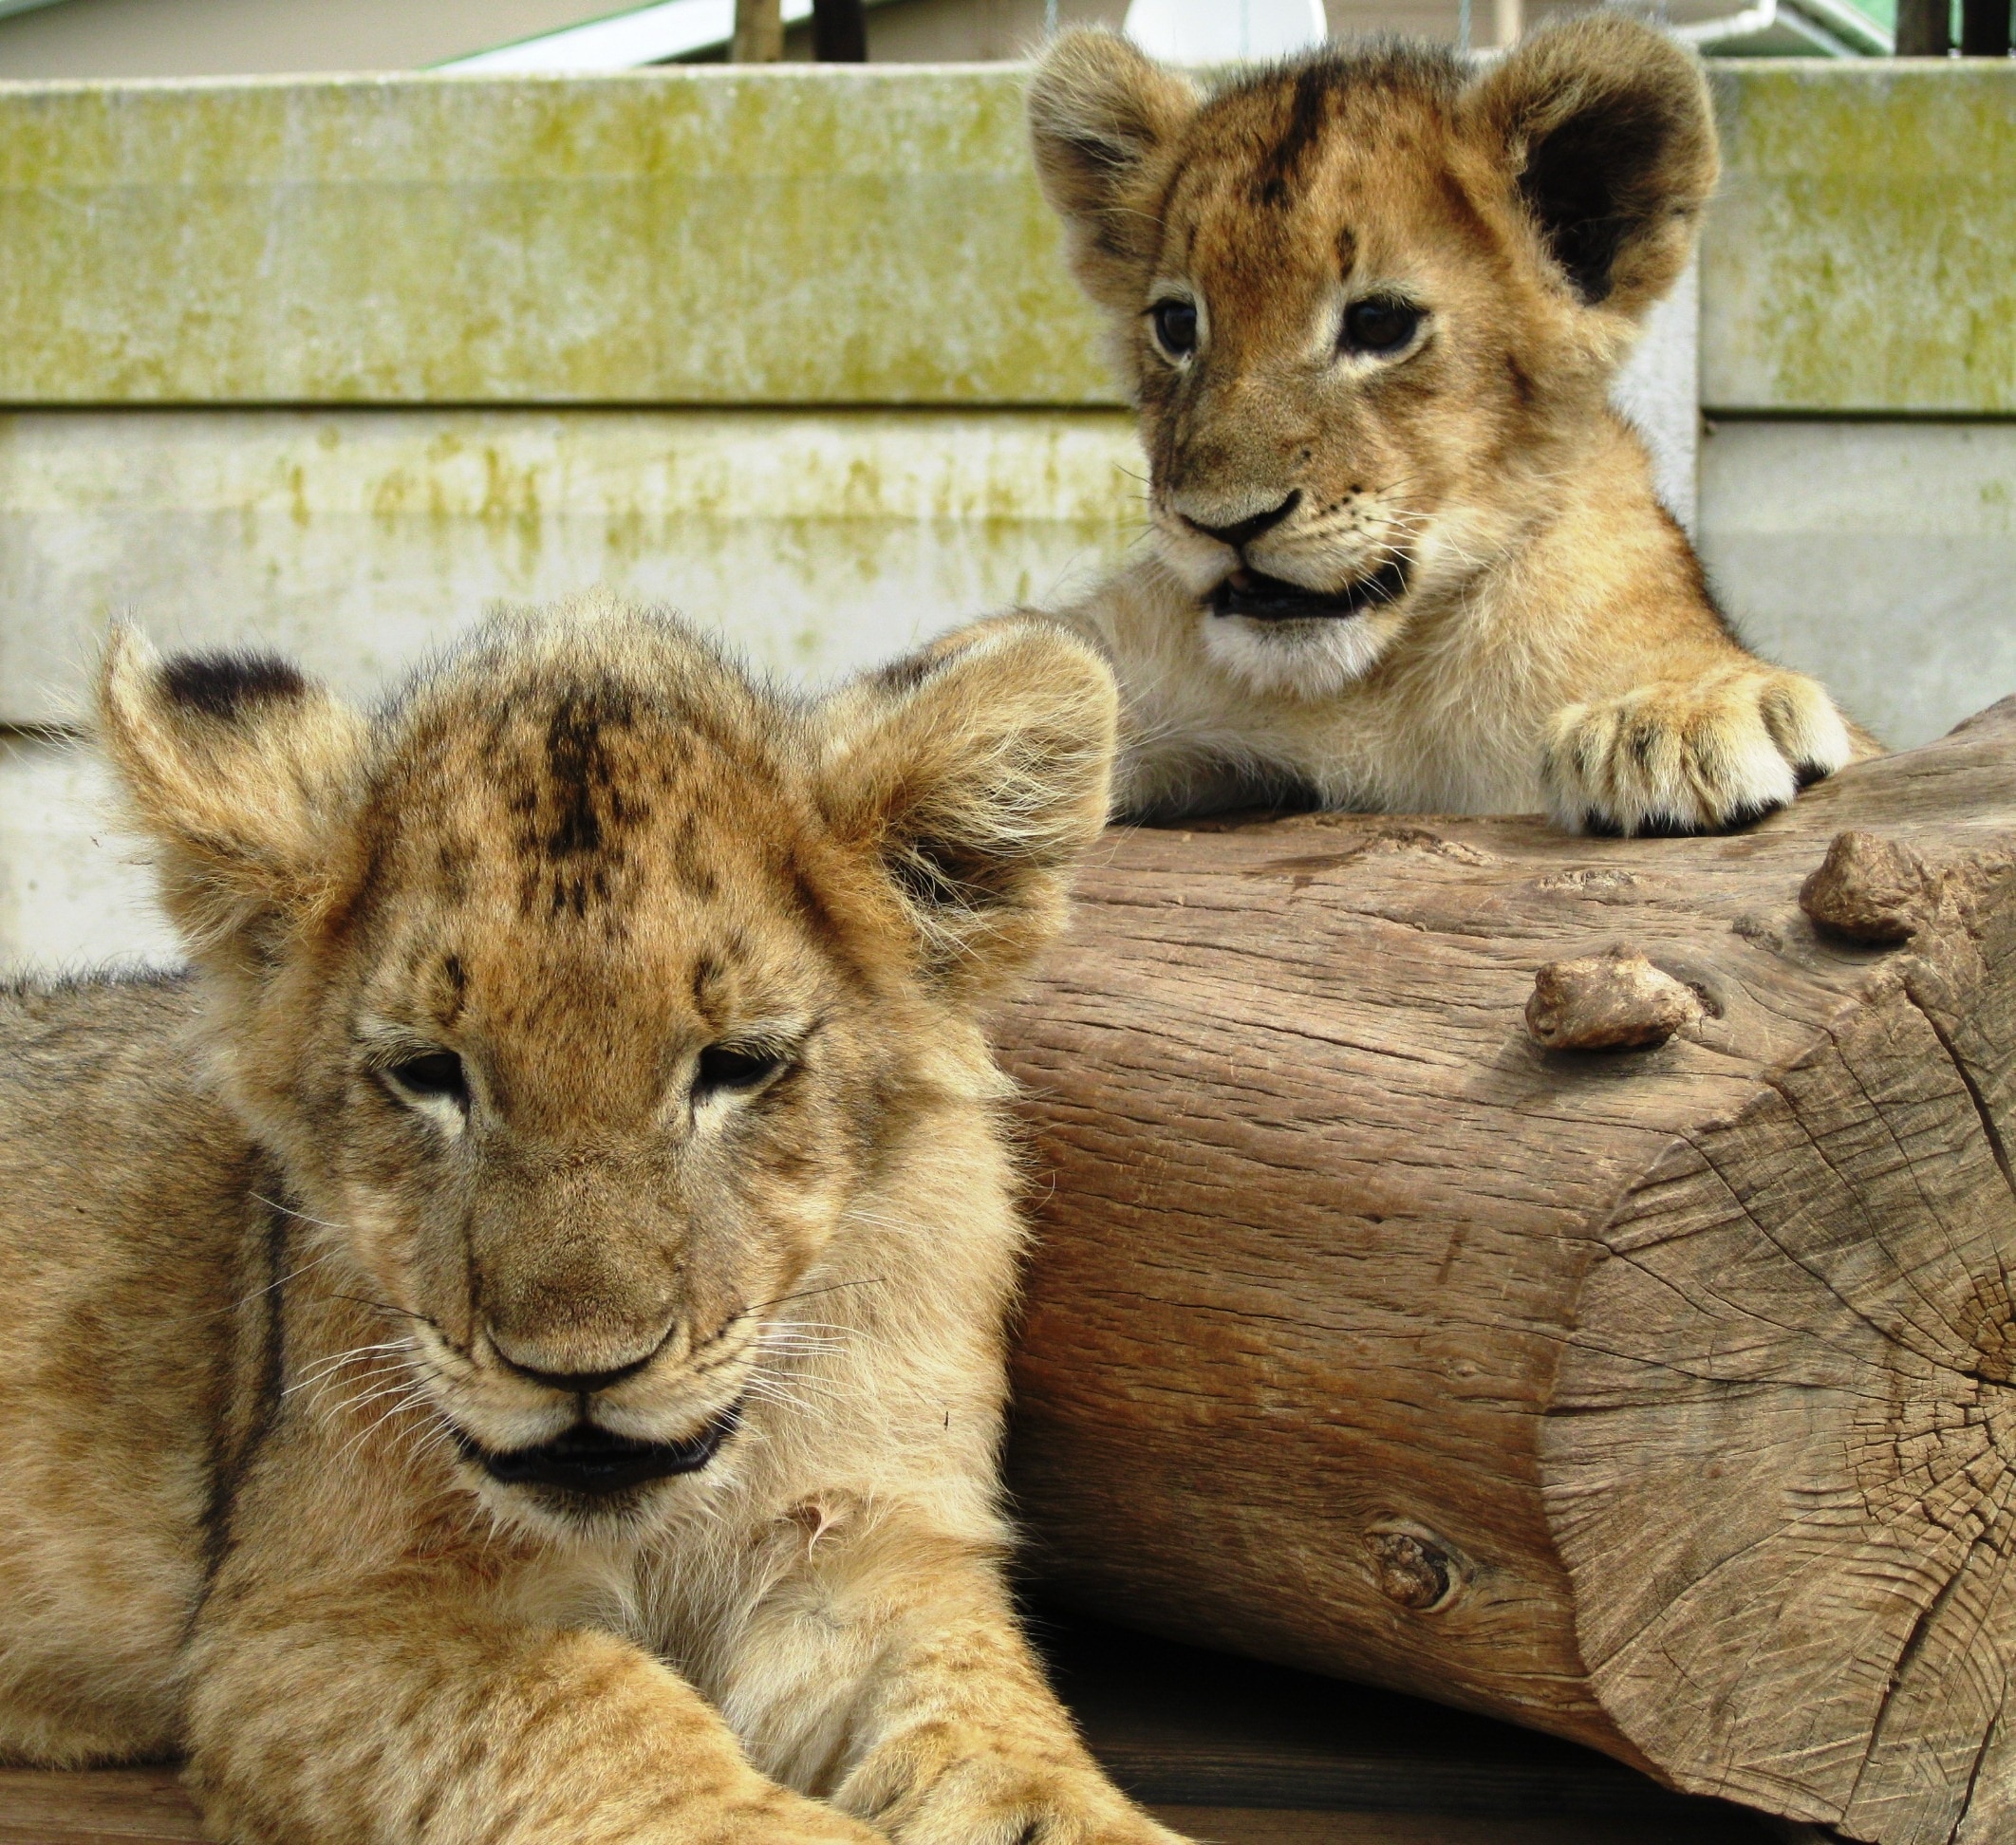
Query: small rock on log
(1619,1001)
(1663,1399)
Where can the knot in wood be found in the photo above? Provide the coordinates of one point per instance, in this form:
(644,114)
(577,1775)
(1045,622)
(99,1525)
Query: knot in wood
(1870,889)
(1414,1568)
(1619,1001)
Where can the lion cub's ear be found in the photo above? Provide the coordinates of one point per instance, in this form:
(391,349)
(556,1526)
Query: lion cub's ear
(975,778)
(1104,119)
(1606,128)
(239,770)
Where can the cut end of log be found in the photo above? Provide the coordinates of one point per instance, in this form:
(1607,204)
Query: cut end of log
(1617,1001)
(1869,889)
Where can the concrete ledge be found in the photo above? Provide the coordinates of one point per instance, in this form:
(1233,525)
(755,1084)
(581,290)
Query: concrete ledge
(353,540)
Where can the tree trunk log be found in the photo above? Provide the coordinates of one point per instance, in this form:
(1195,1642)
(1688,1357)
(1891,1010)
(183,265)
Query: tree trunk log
(1658,1397)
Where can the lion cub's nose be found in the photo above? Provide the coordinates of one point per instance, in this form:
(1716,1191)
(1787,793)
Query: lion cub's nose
(575,1383)
(1241,532)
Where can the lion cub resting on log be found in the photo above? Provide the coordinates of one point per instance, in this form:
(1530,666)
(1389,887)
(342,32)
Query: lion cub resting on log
(510,1348)
(1404,556)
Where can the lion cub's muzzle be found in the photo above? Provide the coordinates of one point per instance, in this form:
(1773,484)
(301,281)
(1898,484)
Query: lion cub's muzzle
(1264,598)
(612,1414)
(591,1462)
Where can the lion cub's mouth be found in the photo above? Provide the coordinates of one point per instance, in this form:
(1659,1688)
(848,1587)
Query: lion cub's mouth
(1268,599)
(592,1463)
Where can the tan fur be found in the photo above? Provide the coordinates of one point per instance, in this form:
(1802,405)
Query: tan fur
(1543,635)
(591,1034)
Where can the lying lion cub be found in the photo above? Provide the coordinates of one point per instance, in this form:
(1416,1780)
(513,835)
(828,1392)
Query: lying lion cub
(511,1347)
(1404,554)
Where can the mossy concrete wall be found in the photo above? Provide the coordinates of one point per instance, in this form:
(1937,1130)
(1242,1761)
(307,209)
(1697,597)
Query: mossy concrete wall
(332,364)
(835,235)
(788,236)
(1861,255)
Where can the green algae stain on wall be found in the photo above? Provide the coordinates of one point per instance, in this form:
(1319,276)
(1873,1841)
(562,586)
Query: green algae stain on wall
(844,235)
(1858,257)
(799,236)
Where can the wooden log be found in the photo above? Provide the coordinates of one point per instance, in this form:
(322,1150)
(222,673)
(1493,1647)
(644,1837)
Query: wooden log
(1657,1397)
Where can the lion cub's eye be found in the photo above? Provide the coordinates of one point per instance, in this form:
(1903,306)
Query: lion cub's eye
(721,1067)
(1380,325)
(1175,324)
(438,1073)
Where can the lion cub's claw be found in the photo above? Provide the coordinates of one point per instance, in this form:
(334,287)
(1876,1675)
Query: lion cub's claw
(1704,756)
(990,1799)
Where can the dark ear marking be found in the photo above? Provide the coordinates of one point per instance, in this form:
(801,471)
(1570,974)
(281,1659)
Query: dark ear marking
(904,674)
(225,685)
(936,875)
(1608,136)
(1587,184)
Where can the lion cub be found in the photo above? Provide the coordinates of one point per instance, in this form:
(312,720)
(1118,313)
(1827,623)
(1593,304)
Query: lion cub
(1404,556)
(510,1348)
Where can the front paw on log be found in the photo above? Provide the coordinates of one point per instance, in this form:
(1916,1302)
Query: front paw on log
(1692,757)
(997,1800)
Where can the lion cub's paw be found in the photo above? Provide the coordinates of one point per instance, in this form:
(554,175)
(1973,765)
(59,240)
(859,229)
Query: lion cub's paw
(996,1800)
(1692,756)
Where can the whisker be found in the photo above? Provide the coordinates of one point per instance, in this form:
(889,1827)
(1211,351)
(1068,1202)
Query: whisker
(387,1307)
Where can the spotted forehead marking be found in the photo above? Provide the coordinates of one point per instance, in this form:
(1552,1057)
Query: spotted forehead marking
(1261,135)
(571,768)
(1279,169)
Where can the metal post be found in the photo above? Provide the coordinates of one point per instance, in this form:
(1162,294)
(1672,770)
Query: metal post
(839,32)
(1983,29)
(758,32)
(1924,28)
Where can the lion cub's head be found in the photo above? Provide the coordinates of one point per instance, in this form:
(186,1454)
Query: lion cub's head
(1365,302)
(586,989)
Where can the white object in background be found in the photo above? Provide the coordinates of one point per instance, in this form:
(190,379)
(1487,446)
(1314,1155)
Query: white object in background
(1658,391)
(1214,32)
(625,41)
(1790,28)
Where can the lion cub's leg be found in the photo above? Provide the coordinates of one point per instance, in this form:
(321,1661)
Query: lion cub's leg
(1701,755)
(403,1710)
(888,1667)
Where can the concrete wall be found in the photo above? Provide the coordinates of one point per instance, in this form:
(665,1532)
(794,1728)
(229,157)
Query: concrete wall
(330,365)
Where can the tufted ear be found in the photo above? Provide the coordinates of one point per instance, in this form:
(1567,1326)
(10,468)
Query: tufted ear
(1605,128)
(1104,119)
(977,774)
(240,770)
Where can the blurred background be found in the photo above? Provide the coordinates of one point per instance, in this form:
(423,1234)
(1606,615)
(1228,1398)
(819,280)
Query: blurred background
(209,38)
(553,297)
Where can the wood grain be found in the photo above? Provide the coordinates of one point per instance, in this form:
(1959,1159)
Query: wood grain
(1659,1398)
